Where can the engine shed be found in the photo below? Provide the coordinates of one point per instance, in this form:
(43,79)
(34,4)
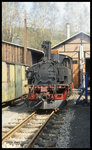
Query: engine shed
(71,47)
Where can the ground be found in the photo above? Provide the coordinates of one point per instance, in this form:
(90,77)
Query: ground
(80,127)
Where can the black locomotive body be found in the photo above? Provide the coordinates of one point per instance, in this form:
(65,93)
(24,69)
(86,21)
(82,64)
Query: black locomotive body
(50,80)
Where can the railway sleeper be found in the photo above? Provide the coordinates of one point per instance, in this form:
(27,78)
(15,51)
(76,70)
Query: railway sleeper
(32,130)
(26,136)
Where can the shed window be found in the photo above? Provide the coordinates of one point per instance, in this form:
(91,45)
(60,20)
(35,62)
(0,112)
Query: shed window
(8,72)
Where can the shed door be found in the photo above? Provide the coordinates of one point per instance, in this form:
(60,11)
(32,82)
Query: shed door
(11,83)
(18,81)
(88,70)
(75,74)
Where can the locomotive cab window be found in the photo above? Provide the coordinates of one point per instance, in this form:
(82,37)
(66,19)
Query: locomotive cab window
(66,62)
(75,62)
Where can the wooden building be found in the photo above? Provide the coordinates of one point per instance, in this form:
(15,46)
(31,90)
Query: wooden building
(14,53)
(71,47)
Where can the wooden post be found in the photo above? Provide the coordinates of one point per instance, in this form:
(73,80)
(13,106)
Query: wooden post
(25,49)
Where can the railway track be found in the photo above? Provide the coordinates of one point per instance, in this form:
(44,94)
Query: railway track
(12,102)
(24,134)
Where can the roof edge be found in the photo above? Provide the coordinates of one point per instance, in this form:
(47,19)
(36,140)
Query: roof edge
(34,49)
(70,38)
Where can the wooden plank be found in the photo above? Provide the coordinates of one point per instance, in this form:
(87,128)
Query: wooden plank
(86,47)
(75,40)
(13,53)
(11,84)
(18,80)
(6,52)
(4,48)
(73,54)
(9,47)
(23,55)
(2,52)
(75,75)
(87,54)
(4,91)
(10,54)
(4,72)
(20,55)
(55,51)
(29,57)
(70,47)
(16,54)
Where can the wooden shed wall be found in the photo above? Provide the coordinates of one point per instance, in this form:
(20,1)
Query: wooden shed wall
(15,54)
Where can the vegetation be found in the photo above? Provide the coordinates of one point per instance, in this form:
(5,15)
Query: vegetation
(43,21)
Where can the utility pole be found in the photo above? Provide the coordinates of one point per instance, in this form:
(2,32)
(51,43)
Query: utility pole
(25,49)
(82,70)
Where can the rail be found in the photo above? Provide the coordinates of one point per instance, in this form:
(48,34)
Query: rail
(24,134)
(13,101)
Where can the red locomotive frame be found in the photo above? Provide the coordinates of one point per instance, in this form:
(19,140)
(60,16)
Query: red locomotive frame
(67,89)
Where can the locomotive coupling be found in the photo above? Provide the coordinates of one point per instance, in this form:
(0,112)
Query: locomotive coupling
(42,97)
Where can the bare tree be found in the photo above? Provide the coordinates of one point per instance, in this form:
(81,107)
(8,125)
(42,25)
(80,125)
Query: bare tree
(11,19)
(78,15)
(43,16)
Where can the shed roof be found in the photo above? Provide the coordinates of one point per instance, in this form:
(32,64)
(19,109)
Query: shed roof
(66,40)
(30,48)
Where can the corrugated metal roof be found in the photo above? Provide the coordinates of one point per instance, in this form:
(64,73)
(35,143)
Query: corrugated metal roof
(71,38)
(30,48)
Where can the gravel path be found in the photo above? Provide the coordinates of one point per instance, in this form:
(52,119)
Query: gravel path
(76,126)
(80,127)
(12,113)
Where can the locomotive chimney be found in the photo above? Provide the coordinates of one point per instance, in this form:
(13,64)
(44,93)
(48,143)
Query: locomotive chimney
(67,30)
(46,45)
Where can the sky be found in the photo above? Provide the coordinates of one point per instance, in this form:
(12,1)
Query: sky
(28,5)
(60,6)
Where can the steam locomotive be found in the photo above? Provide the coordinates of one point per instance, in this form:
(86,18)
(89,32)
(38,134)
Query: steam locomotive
(50,81)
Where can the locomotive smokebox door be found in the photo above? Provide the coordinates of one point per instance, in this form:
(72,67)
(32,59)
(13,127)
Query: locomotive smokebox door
(46,45)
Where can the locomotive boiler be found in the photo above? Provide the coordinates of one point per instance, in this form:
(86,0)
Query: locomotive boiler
(50,81)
